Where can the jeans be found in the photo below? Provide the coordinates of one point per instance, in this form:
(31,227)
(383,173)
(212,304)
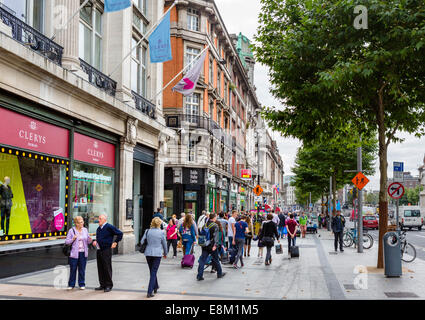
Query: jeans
(215,262)
(231,242)
(153,263)
(291,242)
(79,264)
(239,243)
(281,231)
(269,254)
(187,246)
(174,243)
(338,236)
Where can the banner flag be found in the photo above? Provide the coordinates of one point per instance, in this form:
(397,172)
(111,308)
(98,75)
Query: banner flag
(116,5)
(160,43)
(188,84)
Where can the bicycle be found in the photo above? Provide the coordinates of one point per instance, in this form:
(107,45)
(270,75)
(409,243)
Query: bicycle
(350,237)
(406,249)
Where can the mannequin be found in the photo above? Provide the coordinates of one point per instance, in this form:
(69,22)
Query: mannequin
(6,196)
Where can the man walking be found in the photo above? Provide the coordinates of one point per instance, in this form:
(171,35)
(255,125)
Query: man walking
(281,225)
(231,228)
(241,228)
(104,243)
(291,225)
(338,224)
(211,249)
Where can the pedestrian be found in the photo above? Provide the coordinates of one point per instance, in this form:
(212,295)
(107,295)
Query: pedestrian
(194,223)
(172,236)
(267,236)
(80,240)
(202,220)
(281,225)
(158,214)
(104,243)
(221,242)
(231,228)
(248,236)
(224,223)
(291,225)
(155,249)
(338,224)
(182,215)
(276,219)
(188,234)
(303,224)
(211,249)
(260,243)
(241,228)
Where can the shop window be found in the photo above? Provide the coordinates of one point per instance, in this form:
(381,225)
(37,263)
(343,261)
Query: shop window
(39,185)
(168,199)
(92,194)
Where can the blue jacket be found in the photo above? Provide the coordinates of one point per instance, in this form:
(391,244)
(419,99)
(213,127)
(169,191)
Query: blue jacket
(105,236)
(157,245)
(188,235)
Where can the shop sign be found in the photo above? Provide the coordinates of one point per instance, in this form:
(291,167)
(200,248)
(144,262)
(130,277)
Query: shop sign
(94,151)
(59,219)
(24,132)
(246,174)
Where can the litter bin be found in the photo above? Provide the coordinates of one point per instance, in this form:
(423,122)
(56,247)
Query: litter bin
(392,254)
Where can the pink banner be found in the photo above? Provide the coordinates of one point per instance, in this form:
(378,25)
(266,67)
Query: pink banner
(24,132)
(94,151)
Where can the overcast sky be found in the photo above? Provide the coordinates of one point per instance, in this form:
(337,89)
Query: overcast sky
(242,16)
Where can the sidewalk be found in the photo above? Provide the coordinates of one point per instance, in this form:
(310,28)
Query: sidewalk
(319,273)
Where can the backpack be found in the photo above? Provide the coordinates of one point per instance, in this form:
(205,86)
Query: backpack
(204,239)
(201,222)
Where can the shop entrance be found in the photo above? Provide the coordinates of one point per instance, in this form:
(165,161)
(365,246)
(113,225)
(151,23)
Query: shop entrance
(190,202)
(143,198)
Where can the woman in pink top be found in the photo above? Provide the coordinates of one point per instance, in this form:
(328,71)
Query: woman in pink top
(172,236)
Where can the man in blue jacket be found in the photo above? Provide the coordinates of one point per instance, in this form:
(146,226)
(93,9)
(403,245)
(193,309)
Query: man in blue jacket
(104,243)
(338,224)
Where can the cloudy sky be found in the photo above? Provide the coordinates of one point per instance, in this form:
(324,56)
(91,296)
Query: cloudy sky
(241,16)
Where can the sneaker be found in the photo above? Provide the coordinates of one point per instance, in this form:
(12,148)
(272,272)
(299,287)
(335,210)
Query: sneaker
(200,279)
(222,275)
(242,264)
(235,266)
(69,288)
(82,288)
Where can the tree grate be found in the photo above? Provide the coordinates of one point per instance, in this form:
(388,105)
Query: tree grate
(401,295)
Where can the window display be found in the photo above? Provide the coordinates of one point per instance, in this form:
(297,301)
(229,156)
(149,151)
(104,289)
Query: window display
(33,193)
(92,194)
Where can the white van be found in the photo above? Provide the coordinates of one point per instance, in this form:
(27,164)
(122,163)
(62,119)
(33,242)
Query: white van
(410,217)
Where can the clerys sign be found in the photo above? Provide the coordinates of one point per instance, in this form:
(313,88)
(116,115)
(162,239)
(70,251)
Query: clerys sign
(94,151)
(24,132)
(246,174)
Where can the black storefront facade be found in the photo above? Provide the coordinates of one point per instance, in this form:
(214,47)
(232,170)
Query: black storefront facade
(185,190)
(59,167)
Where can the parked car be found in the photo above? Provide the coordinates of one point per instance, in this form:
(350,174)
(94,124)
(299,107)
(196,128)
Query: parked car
(370,222)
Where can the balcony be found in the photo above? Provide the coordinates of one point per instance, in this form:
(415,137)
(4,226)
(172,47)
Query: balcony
(30,37)
(144,105)
(100,80)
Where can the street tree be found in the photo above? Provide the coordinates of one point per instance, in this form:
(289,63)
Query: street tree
(328,73)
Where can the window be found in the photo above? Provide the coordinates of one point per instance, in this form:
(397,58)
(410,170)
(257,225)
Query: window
(192,153)
(211,76)
(191,54)
(219,81)
(192,108)
(412,213)
(29,11)
(140,25)
(142,5)
(193,19)
(138,69)
(92,194)
(212,110)
(90,45)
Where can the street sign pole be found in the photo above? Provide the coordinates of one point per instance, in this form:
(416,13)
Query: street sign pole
(396,216)
(360,203)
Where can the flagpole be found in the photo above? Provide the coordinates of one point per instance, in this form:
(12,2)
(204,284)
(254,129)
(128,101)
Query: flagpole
(69,20)
(144,37)
(183,70)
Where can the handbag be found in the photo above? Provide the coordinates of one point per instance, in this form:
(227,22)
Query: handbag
(67,247)
(144,244)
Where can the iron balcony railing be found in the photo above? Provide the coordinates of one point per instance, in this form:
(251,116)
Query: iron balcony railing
(99,79)
(30,37)
(199,122)
(144,105)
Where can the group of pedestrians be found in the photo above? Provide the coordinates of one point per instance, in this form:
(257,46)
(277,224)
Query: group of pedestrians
(227,235)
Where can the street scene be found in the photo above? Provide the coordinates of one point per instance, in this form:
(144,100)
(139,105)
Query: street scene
(202,150)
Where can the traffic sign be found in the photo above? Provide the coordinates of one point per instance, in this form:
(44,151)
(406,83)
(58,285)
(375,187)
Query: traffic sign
(398,166)
(258,190)
(396,190)
(360,181)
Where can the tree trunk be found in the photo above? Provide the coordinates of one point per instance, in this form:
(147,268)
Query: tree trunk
(383,165)
(334,194)
(323,208)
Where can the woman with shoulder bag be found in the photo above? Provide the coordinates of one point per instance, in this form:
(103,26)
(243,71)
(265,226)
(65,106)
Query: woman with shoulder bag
(248,237)
(79,239)
(268,233)
(155,249)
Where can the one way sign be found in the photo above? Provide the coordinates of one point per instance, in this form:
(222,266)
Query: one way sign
(396,190)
